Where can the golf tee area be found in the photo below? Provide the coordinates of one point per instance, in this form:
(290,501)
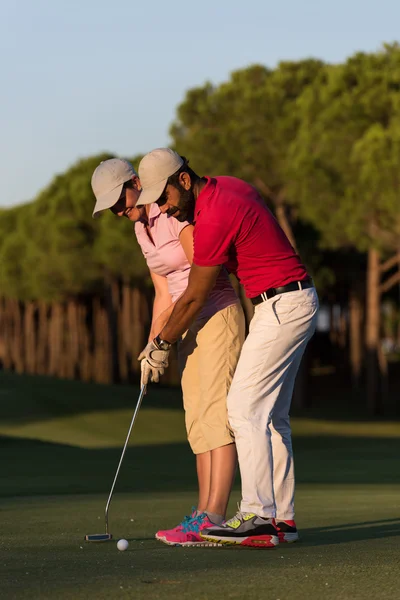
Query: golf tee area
(60,444)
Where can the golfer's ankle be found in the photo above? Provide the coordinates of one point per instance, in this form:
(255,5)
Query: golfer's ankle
(215,517)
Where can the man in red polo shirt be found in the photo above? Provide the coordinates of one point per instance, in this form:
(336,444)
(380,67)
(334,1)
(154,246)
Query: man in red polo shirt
(234,228)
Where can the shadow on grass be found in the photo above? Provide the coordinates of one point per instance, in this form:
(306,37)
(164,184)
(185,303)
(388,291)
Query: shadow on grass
(33,467)
(338,534)
(339,459)
(351,532)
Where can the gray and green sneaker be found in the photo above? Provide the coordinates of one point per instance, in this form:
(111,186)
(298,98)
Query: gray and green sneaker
(244,529)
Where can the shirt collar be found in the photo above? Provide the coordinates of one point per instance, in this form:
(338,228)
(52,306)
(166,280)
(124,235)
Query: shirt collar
(205,194)
(154,212)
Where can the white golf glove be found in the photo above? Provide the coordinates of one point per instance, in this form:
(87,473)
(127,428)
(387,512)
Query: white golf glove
(153,363)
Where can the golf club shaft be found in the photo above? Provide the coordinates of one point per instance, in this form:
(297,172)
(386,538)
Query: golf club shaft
(139,402)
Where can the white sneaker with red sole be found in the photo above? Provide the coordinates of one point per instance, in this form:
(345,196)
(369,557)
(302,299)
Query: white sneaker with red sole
(287,531)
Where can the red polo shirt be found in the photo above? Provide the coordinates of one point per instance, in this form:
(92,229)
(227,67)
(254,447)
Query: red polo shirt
(234,228)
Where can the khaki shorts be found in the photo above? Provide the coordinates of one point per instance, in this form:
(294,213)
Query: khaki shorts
(208,354)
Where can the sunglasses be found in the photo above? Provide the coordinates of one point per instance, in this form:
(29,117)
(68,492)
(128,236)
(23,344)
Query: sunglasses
(121,202)
(119,205)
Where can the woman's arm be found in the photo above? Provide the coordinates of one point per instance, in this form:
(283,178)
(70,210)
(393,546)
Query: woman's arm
(186,240)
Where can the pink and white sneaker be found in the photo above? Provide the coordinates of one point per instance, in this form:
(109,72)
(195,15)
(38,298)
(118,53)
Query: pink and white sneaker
(160,535)
(189,534)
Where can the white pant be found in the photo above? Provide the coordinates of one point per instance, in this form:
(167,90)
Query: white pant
(260,396)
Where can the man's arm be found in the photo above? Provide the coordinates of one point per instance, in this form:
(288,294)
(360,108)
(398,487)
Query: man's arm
(201,282)
(161,304)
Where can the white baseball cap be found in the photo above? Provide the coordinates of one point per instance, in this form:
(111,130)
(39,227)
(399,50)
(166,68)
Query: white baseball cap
(108,181)
(154,170)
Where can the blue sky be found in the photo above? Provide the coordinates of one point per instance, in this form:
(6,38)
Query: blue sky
(81,77)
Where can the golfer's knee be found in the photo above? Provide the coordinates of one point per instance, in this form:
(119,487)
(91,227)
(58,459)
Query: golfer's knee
(237,416)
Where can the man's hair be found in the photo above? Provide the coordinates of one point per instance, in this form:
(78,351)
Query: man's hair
(174,179)
(128,184)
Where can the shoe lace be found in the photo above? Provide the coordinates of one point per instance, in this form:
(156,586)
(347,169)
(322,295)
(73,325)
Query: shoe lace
(189,517)
(238,517)
(194,523)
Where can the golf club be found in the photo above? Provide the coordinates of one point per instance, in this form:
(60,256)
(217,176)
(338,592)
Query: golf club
(105,537)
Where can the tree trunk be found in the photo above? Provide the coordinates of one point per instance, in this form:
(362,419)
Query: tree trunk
(43,347)
(372,333)
(342,329)
(112,307)
(384,378)
(55,331)
(5,336)
(102,360)
(30,337)
(17,336)
(125,333)
(72,340)
(355,318)
(85,336)
(139,331)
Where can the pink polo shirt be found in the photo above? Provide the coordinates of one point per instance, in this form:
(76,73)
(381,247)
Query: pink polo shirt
(166,257)
(233,227)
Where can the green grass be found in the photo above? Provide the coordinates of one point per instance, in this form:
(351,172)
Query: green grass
(60,443)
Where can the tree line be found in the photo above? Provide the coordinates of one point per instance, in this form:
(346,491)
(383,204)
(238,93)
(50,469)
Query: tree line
(321,142)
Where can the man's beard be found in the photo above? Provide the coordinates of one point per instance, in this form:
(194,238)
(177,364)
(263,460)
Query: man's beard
(185,206)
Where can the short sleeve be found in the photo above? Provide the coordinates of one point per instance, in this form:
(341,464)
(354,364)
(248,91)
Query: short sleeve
(212,242)
(176,227)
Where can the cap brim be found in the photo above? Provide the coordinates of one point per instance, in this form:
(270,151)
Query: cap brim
(152,193)
(107,200)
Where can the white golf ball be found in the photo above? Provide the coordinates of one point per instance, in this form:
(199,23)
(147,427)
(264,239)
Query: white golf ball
(122,545)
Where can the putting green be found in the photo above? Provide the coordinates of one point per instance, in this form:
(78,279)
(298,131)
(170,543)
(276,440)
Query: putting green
(104,429)
(162,426)
(60,445)
(350,550)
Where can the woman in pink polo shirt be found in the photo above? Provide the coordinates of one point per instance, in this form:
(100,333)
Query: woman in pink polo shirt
(208,352)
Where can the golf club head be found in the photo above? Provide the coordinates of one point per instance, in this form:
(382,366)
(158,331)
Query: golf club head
(98,537)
